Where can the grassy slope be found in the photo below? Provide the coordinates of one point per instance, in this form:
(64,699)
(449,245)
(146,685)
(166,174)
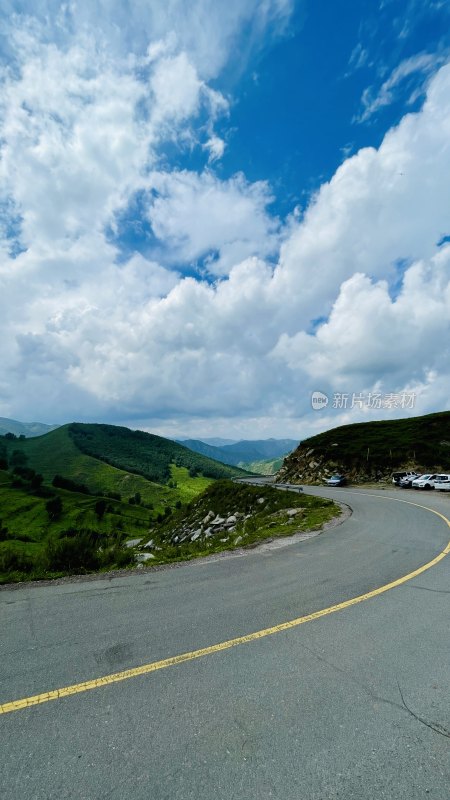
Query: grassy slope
(24,512)
(58,453)
(143,453)
(267,467)
(423,440)
(29,527)
(269,518)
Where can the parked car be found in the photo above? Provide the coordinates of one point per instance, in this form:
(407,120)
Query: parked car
(406,481)
(397,477)
(424,482)
(336,480)
(442,483)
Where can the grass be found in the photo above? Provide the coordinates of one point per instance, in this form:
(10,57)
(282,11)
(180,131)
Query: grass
(57,453)
(31,532)
(267,515)
(268,466)
(143,453)
(425,440)
(371,451)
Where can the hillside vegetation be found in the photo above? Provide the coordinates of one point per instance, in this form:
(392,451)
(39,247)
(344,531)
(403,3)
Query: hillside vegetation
(143,453)
(372,450)
(238,515)
(268,467)
(71,498)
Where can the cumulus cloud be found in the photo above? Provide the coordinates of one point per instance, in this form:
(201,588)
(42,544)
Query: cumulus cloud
(355,294)
(197,216)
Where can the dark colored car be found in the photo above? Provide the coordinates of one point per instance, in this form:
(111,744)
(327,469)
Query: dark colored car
(336,480)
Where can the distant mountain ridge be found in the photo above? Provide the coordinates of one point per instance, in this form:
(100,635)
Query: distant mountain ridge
(243,452)
(27,429)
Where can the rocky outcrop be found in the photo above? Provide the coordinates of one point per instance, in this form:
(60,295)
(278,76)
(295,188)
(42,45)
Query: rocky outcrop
(305,466)
(211,525)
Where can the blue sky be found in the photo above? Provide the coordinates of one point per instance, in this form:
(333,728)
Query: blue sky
(210,211)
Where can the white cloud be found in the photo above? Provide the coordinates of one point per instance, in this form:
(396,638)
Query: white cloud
(176,89)
(197,216)
(89,334)
(423,64)
(208,32)
(216,147)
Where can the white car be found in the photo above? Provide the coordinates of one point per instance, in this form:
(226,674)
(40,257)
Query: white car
(442,483)
(424,482)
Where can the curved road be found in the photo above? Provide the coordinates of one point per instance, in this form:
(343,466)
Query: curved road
(353,705)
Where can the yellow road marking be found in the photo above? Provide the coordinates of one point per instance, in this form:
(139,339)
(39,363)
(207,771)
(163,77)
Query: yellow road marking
(96,683)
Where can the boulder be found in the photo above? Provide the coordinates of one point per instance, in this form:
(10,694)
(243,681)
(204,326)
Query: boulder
(132,542)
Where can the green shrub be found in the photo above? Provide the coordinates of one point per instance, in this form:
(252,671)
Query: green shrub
(14,560)
(71,553)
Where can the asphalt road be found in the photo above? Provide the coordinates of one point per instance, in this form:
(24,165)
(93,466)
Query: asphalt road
(354,705)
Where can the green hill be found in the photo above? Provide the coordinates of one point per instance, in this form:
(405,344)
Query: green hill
(109,458)
(269,466)
(143,453)
(110,483)
(373,450)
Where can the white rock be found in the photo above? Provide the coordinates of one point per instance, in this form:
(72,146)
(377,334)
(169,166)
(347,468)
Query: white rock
(195,536)
(132,542)
(150,544)
(237,540)
(143,557)
(261,500)
(231,519)
(218,521)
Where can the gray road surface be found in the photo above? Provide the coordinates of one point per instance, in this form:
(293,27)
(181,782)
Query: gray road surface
(353,706)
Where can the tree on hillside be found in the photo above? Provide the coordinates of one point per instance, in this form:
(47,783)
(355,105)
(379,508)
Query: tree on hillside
(100,508)
(54,508)
(36,481)
(3,531)
(18,458)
